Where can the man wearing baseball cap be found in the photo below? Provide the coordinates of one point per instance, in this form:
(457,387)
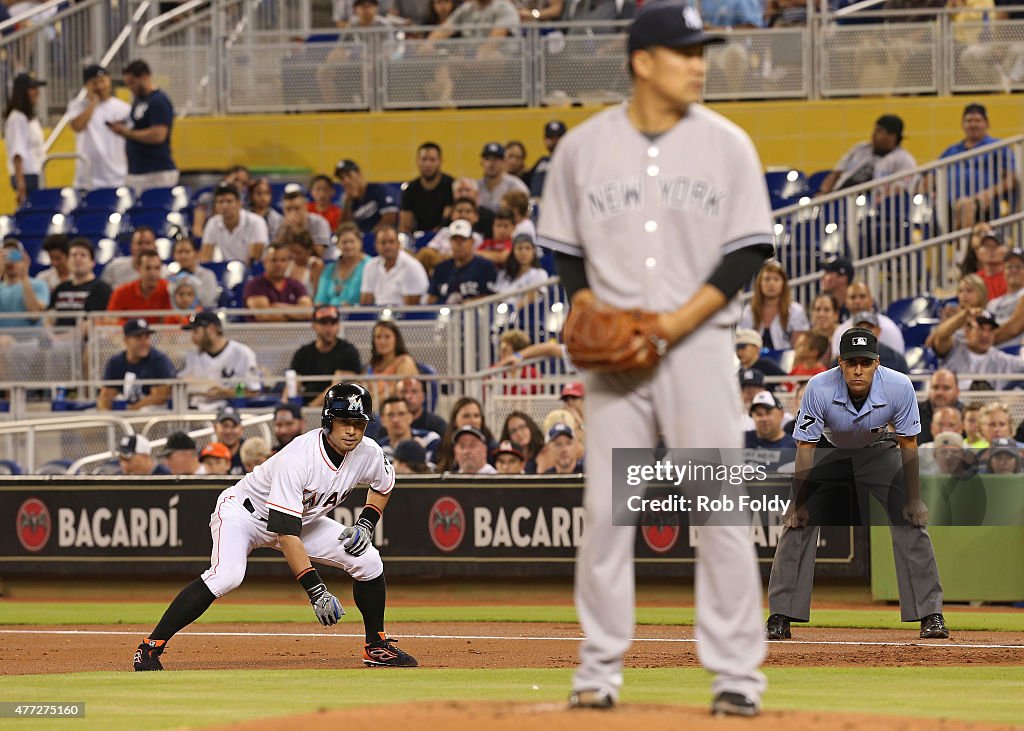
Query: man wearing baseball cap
(142,361)
(328,355)
(766,411)
(227,427)
(368,205)
(748,349)
(102,162)
(869,320)
(466,275)
(135,455)
(975,353)
(496,182)
(221,367)
(469,446)
(561,441)
(854,406)
(508,459)
(553,132)
(992,258)
(836,274)
(215,459)
(878,158)
(180,454)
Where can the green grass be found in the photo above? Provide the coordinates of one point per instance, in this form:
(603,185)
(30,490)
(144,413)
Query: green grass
(173,699)
(65,613)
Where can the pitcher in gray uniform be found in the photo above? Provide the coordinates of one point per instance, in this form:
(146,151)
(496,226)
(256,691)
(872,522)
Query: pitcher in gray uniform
(852,406)
(660,204)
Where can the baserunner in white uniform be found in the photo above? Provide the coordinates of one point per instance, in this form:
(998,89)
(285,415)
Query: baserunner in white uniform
(660,205)
(284,504)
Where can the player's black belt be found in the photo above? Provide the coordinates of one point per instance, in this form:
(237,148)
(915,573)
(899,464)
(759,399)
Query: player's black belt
(247,504)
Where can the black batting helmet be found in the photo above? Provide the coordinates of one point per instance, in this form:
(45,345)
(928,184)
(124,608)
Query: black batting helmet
(345,401)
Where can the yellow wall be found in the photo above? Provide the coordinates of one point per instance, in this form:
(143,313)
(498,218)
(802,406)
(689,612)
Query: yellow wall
(806,135)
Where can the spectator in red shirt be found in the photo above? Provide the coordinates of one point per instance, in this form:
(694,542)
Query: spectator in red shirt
(512,341)
(148,292)
(274,290)
(811,349)
(498,248)
(992,257)
(321,189)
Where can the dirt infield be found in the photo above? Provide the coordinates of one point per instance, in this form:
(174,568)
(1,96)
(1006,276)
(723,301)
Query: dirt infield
(555,717)
(30,650)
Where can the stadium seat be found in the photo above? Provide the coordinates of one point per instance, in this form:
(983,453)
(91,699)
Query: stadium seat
(106,249)
(915,335)
(39,223)
(277,192)
(157,219)
(910,310)
(921,359)
(1013,349)
(54,467)
(10,467)
(785,183)
(169,199)
(96,225)
(815,180)
(58,200)
(430,388)
(107,199)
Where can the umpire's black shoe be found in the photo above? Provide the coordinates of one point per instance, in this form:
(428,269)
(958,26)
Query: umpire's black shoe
(147,657)
(728,703)
(933,627)
(597,699)
(777,628)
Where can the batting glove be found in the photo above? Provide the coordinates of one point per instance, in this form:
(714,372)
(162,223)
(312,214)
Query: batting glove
(356,539)
(327,608)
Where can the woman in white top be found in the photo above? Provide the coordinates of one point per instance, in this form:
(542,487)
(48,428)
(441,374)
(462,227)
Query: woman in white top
(772,311)
(23,136)
(522,269)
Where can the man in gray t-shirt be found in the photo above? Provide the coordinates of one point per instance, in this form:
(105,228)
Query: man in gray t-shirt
(500,15)
(496,182)
(974,353)
(878,158)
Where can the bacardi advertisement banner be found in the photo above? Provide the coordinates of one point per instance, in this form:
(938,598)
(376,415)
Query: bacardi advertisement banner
(432,526)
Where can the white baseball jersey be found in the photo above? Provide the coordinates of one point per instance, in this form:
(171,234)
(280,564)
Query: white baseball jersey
(234,244)
(235,364)
(300,480)
(655,216)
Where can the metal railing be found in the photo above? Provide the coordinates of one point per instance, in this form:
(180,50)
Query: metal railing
(892,213)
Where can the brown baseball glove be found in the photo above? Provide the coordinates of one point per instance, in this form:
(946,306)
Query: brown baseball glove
(606,339)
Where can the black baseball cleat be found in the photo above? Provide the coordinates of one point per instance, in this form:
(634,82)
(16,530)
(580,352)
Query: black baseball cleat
(728,703)
(147,657)
(600,700)
(933,627)
(384,653)
(777,628)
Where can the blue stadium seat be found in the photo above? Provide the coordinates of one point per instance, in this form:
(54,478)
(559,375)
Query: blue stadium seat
(786,183)
(915,335)
(323,37)
(10,467)
(910,310)
(33,245)
(921,359)
(107,199)
(54,467)
(170,199)
(277,192)
(155,218)
(38,223)
(360,314)
(55,200)
(548,262)
(96,225)
(430,388)
(217,267)
(420,241)
(1011,349)
(419,314)
(369,244)
(815,180)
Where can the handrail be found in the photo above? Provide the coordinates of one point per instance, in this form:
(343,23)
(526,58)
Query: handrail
(52,423)
(29,14)
(164,18)
(853,190)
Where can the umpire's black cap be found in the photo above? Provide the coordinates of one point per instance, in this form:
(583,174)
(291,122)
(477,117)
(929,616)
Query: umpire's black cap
(858,343)
(669,23)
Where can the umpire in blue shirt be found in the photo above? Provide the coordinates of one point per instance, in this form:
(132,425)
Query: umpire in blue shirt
(851,407)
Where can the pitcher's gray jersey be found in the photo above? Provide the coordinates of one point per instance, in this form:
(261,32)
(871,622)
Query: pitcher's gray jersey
(655,217)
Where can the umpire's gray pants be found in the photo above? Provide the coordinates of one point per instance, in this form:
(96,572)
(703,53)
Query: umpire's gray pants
(917,574)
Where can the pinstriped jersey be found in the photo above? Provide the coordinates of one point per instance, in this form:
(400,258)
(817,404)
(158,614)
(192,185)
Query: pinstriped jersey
(653,217)
(301,481)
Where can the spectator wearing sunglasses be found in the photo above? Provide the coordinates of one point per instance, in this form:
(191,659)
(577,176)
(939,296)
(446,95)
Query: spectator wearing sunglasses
(328,356)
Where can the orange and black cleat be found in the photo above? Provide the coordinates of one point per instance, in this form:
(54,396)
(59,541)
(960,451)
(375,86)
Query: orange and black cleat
(385,653)
(147,657)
